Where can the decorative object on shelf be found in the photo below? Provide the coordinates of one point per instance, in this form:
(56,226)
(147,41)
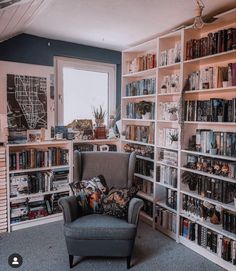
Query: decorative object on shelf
(198,21)
(190,179)
(174,137)
(83,129)
(213,149)
(33,135)
(173,113)
(144,108)
(61,132)
(3,128)
(99,116)
(100,132)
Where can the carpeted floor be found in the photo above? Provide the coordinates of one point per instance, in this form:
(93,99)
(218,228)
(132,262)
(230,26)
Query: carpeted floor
(43,249)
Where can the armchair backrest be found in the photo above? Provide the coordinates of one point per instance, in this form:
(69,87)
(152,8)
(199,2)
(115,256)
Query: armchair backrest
(117,167)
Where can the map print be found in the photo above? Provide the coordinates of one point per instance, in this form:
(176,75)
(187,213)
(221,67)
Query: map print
(26,102)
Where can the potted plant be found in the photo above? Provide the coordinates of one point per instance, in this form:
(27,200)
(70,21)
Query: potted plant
(99,115)
(190,179)
(213,149)
(144,109)
(163,89)
(173,113)
(174,140)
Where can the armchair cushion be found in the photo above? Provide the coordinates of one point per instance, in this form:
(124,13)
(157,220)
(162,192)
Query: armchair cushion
(100,227)
(117,201)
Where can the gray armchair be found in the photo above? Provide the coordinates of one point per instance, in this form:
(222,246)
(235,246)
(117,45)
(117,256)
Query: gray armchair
(96,234)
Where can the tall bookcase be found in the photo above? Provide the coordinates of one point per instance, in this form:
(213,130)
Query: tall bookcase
(37,175)
(176,204)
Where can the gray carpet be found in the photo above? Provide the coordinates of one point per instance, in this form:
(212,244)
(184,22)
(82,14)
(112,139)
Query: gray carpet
(43,249)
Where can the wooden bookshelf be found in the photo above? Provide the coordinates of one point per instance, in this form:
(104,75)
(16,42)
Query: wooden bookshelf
(174,93)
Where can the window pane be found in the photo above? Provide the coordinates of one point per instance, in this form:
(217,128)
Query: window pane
(84,90)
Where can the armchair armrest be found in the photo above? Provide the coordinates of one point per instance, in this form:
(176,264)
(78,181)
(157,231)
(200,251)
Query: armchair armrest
(135,206)
(70,208)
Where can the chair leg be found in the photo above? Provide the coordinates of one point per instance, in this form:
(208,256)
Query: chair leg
(71,257)
(128,262)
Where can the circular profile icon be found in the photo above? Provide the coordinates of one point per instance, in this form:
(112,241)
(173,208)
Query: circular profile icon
(15,260)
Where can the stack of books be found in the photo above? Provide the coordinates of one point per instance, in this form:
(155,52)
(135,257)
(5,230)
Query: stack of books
(222,41)
(3,190)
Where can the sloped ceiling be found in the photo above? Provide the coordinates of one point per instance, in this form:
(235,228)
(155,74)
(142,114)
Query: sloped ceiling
(112,24)
(14,19)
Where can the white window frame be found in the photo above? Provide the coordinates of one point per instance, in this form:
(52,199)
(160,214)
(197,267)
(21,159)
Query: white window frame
(74,63)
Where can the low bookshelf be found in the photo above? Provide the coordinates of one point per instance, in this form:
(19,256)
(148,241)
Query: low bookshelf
(38,174)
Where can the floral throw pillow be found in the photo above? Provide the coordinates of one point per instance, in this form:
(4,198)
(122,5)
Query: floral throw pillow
(90,194)
(116,202)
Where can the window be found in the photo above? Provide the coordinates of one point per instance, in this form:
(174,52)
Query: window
(82,86)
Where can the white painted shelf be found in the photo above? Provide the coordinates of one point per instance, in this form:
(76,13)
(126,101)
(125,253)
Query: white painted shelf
(163,204)
(167,186)
(145,196)
(147,178)
(38,169)
(144,158)
(210,90)
(149,96)
(150,72)
(137,142)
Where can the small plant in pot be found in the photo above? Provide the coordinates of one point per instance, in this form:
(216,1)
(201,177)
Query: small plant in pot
(144,109)
(173,87)
(213,149)
(99,115)
(163,89)
(174,137)
(173,113)
(190,179)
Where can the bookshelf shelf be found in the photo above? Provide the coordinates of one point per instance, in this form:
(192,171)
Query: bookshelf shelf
(137,142)
(37,169)
(36,221)
(12,199)
(206,253)
(210,59)
(210,90)
(166,232)
(145,216)
(149,72)
(230,158)
(209,70)
(209,175)
(138,120)
(229,206)
(167,186)
(211,123)
(163,204)
(149,96)
(144,158)
(147,178)
(36,144)
(209,225)
(145,196)
(170,67)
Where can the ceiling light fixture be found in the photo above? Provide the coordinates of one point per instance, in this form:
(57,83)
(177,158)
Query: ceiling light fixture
(198,22)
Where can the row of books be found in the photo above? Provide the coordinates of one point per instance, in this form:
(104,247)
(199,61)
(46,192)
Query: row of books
(143,134)
(224,247)
(145,186)
(168,157)
(141,63)
(212,166)
(213,110)
(215,189)
(168,111)
(168,137)
(36,158)
(229,221)
(221,41)
(133,112)
(38,182)
(141,87)
(144,167)
(167,175)
(33,208)
(213,77)
(3,190)
(93,147)
(171,56)
(148,207)
(165,219)
(170,83)
(213,142)
(145,151)
(171,198)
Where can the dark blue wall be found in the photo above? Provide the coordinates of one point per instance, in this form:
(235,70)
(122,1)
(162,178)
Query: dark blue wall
(30,49)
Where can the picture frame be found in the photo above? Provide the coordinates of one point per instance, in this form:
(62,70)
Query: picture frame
(33,136)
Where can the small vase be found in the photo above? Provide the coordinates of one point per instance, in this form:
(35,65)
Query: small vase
(225,84)
(174,144)
(172,89)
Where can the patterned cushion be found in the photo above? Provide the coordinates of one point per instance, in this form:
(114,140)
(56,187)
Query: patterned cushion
(116,203)
(90,194)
